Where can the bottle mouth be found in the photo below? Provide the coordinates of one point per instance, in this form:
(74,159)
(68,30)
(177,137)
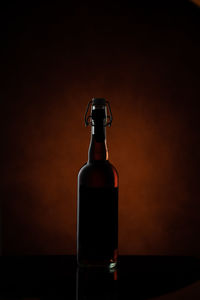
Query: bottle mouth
(98,102)
(98,112)
(98,115)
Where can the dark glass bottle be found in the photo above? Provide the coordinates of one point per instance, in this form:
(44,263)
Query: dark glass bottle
(97,203)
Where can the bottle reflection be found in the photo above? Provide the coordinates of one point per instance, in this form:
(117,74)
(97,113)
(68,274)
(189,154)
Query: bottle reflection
(96,283)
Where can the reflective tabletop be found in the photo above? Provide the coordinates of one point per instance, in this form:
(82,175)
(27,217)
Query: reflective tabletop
(137,277)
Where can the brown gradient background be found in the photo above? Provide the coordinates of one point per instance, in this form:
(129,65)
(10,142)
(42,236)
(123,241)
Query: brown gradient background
(145,61)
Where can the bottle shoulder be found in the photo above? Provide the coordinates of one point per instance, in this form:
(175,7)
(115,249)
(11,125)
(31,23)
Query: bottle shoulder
(114,169)
(107,165)
(100,173)
(84,167)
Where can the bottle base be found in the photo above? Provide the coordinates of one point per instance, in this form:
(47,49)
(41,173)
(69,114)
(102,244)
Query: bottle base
(98,261)
(111,264)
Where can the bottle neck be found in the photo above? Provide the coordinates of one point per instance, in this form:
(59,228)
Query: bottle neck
(98,148)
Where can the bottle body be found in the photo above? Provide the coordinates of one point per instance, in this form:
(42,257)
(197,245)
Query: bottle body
(97,215)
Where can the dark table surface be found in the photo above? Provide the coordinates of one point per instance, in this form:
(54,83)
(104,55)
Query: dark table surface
(137,277)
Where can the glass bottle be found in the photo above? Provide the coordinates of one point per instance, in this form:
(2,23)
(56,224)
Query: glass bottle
(97,196)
